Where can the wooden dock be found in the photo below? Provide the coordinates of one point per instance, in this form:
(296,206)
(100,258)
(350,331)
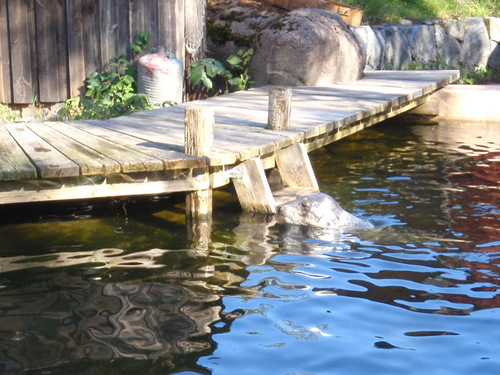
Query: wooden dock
(144,153)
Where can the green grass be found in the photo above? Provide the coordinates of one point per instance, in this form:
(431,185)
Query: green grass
(393,11)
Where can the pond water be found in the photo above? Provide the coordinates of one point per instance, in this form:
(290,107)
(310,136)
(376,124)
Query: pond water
(115,287)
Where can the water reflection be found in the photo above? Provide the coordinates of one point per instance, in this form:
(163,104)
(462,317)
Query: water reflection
(43,327)
(102,258)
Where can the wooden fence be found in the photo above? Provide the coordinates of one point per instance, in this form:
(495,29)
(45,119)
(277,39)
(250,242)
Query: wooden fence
(49,47)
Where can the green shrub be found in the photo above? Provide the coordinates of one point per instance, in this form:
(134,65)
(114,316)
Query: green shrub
(239,64)
(7,115)
(112,92)
(209,77)
(479,76)
(390,11)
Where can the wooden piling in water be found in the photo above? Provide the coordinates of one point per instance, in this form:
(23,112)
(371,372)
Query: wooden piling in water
(199,135)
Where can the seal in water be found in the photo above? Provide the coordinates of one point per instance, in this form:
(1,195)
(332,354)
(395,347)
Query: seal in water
(319,210)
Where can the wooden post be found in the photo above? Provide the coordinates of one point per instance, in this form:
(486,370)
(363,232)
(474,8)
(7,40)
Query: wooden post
(280,100)
(199,135)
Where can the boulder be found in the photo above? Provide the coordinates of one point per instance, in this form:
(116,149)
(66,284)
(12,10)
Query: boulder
(455,29)
(233,24)
(493,26)
(374,45)
(448,48)
(308,47)
(476,46)
(397,50)
(494,59)
(422,42)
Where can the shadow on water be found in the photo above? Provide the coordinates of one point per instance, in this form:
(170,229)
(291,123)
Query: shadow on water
(108,287)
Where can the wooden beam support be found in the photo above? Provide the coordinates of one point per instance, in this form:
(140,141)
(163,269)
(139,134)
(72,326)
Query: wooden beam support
(252,187)
(53,190)
(295,167)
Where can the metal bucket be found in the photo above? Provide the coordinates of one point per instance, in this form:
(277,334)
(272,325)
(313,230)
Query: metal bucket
(161,78)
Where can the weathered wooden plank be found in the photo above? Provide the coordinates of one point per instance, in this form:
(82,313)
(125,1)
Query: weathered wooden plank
(353,98)
(314,105)
(14,164)
(48,161)
(5,72)
(144,18)
(241,127)
(171,26)
(295,167)
(22,47)
(52,50)
(194,36)
(17,193)
(130,160)
(227,138)
(354,127)
(114,28)
(123,38)
(91,36)
(171,159)
(157,131)
(89,161)
(252,113)
(76,60)
(252,188)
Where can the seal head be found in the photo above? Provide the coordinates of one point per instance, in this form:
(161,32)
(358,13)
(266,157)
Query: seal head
(319,210)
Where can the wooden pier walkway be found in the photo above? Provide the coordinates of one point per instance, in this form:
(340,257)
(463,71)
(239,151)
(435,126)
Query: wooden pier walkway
(144,153)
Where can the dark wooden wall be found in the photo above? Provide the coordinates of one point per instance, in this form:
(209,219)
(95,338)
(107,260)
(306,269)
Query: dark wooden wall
(49,47)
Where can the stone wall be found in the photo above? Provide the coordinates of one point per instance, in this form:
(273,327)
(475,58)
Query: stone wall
(471,43)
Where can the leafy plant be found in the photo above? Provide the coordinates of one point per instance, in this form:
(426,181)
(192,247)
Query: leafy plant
(439,64)
(7,115)
(240,66)
(479,76)
(209,77)
(112,92)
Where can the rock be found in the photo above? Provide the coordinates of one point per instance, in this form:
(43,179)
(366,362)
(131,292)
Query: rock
(493,26)
(448,48)
(374,45)
(422,42)
(308,47)
(233,24)
(494,59)
(476,46)
(397,51)
(455,29)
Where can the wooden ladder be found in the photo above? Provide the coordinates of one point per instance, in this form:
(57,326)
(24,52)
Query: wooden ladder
(253,188)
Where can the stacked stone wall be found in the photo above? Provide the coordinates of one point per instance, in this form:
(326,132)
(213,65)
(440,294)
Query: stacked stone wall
(470,44)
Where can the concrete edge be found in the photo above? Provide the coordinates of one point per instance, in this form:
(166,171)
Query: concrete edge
(463,102)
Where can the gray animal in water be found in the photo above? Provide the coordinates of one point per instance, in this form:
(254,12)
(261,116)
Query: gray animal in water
(319,210)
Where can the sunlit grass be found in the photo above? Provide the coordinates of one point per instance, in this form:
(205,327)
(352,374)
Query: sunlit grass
(388,11)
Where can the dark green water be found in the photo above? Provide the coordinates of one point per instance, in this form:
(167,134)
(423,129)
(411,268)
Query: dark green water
(113,287)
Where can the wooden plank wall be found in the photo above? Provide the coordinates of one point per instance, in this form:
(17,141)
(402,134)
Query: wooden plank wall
(49,47)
